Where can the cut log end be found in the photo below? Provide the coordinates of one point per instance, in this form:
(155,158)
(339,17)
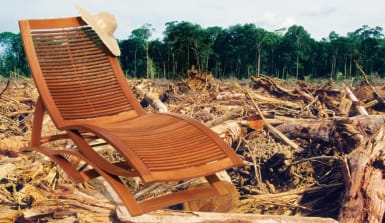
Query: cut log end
(223,203)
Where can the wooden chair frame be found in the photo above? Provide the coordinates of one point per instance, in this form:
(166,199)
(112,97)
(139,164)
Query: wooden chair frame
(69,66)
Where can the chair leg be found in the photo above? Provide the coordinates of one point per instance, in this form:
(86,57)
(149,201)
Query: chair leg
(37,124)
(123,192)
(217,184)
(80,177)
(85,148)
(135,208)
(67,166)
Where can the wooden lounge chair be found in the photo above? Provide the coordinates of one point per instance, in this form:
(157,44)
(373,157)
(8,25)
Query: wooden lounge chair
(84,91)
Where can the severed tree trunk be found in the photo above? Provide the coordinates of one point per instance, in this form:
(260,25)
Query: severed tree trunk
(362,140)
(365,182)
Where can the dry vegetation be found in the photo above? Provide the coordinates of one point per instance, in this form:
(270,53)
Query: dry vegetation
(299,164)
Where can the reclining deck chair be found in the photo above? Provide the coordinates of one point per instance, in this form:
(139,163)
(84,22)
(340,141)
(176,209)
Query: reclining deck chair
(84,91)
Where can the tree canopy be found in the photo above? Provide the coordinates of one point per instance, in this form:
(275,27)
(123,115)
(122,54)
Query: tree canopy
(237,51)
(12,57)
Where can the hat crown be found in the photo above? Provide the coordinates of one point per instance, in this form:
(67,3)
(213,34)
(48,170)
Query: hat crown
(104,24)
(106,21)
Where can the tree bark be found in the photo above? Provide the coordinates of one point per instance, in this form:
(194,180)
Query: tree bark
(362,140)
(365,182)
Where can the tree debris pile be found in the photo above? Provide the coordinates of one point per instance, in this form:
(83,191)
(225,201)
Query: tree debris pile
(16,108)
(317,154)
(198,80)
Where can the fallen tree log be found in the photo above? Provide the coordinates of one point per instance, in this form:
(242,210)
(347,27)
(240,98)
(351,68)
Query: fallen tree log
(339,132)
(151,99)
(210,217)
(230,131)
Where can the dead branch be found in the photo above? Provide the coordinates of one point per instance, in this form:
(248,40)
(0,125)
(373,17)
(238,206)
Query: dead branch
(273,130)
(5,88)
(377,96)
(275,88)
(271,100)
(232,114)
(355,100)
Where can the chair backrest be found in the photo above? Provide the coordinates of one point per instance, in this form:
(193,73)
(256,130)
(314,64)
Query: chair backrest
(77,77)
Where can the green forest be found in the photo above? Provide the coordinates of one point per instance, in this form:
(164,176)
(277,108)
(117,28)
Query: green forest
(238,51)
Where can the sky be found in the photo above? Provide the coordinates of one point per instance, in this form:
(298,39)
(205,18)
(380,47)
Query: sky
(318,17)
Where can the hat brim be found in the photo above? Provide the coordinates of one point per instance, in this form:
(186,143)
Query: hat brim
(109,41)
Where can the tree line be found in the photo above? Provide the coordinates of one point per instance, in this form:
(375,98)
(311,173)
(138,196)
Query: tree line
(234,52)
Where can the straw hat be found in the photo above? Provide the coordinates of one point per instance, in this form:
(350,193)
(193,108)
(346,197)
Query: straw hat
(104,24)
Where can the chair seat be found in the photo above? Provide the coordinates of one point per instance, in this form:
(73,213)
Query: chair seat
(168,145)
